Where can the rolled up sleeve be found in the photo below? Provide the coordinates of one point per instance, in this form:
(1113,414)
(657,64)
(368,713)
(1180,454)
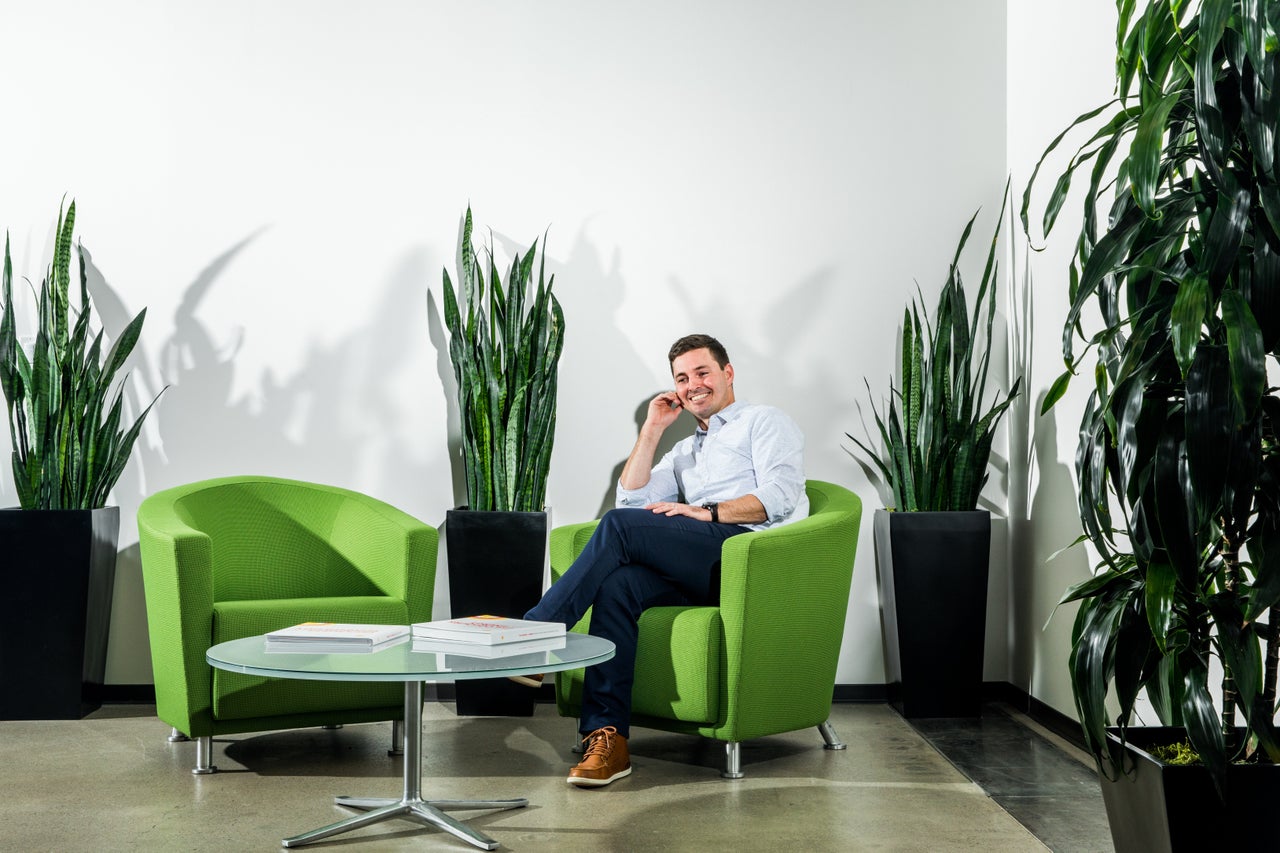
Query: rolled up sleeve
(662,486)
(778,449)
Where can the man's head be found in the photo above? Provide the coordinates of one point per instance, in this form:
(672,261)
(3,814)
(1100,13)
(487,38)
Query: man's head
(693,342)
(703,375)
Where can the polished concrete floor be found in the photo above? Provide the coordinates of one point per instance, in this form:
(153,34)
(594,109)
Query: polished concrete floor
(112,782)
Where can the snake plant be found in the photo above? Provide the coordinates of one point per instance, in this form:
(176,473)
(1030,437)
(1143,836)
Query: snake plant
(936,434)
(505,352)
(1178,262)
(69,447)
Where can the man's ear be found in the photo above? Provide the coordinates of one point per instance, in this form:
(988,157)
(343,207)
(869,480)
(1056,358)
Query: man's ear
(728,372)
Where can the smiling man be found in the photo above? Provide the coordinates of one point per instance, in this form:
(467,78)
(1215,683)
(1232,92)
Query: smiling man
(741,470)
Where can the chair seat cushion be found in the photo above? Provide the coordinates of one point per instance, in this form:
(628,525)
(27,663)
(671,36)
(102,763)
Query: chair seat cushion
(237,696)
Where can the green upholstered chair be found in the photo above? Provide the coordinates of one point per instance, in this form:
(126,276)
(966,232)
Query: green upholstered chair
(239,556)
(764,660)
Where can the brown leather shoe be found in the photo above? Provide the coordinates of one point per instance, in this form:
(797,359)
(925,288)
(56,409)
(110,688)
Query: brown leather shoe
(604,758)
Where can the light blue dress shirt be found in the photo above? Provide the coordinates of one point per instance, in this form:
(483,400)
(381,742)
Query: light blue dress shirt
(746,449)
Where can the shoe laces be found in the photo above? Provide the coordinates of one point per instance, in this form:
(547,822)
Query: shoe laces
(600,742)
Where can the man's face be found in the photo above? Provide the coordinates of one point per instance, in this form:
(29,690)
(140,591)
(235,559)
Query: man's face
(703,387)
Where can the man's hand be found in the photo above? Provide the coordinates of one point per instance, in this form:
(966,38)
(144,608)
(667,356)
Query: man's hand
(663,411)
(744,510)
(670,508)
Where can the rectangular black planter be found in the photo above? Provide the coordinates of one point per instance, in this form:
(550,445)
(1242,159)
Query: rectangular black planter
(932,570)
(497,561)
(1162,808)
(59,576)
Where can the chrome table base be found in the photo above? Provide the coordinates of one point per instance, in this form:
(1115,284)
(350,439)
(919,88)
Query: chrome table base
(410,805)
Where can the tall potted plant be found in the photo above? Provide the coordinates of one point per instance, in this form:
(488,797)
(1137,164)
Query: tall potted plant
(69,448)
(1178,464)
(505,340)
(933,544)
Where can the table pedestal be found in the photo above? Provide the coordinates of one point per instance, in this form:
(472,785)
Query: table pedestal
(410,805)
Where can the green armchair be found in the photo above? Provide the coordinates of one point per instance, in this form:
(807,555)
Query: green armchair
(762,662)
(239,556)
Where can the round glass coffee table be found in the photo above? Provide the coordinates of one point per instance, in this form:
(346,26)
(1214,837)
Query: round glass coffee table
(402,663)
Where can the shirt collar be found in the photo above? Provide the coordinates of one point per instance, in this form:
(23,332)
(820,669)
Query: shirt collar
(722,417)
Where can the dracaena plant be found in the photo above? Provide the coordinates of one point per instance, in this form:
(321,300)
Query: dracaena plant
(505,340)
(936,430)
(69,445)
(1177,465)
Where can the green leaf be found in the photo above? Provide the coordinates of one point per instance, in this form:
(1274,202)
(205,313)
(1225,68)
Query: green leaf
(1245,353)
(1189,312)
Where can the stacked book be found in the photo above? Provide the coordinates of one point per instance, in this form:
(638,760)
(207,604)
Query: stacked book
(487,636)
(330,637)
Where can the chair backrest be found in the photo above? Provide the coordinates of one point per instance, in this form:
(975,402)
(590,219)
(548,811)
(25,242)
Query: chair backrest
(272,538)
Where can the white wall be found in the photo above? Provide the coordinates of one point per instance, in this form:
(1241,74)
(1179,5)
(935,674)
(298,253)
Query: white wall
(280,183)
(1061,65)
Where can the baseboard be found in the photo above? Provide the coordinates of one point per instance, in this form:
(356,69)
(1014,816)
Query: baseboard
(1055,721)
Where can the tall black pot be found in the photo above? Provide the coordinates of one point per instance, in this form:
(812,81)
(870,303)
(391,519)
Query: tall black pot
(1154,807)
(497,561)
(932,570)
(59,576)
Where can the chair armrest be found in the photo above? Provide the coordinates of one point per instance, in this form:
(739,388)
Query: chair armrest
(567,542)
(179,608)
(784,596)
(394,550)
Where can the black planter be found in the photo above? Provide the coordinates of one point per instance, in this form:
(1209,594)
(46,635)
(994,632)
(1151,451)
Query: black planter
(932,572)
(59,575)
(1155,807)
(496,565)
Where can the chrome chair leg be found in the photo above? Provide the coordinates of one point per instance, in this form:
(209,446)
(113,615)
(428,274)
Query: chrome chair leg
(576,749)
(830,739)
(204,756)
(176,736)
(732,761)
(397,738)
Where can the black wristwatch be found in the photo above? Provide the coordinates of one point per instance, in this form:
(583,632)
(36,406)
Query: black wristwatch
(715,512)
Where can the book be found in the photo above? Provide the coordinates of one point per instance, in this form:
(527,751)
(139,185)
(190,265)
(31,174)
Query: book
(480,650)
(327,637)
(487,630)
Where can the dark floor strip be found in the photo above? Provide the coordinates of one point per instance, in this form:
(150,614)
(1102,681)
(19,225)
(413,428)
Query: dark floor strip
(1052,794)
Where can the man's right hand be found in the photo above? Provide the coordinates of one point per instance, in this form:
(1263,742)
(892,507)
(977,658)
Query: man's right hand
(664,409)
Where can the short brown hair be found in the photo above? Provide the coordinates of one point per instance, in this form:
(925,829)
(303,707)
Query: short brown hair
(689,343)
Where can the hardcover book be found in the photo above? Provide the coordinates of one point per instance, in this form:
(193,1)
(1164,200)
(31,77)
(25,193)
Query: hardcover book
(324,637)
(487,630)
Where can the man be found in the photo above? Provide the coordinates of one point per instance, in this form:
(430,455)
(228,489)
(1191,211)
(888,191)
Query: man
(743,469)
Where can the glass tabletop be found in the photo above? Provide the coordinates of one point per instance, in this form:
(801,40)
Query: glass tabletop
(403,662)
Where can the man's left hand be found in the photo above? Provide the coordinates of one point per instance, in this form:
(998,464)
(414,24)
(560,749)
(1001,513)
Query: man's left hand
(670,508)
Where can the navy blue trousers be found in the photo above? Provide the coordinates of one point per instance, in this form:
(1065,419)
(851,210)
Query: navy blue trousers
(635,559)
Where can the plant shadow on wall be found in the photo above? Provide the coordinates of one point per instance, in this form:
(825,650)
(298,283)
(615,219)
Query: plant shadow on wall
(1178,464)
(314,424)
(336,420)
